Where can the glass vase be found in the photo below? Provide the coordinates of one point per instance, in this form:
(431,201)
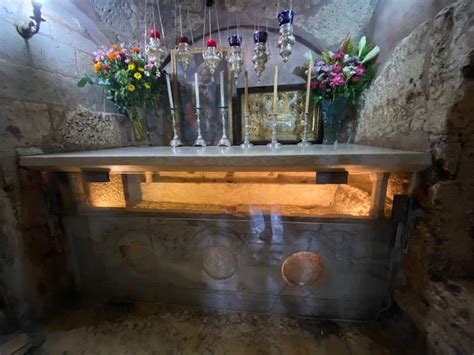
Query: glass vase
(139,125)
(332,113)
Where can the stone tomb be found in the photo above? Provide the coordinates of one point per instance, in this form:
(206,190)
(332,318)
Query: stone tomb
(249,230)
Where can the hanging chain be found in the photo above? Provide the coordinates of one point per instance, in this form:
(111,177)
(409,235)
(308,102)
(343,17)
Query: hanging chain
(161,24)
(146,25)
(204,25)
(176,19)
(189,23)
(210,25)
(218,27)
(180,22)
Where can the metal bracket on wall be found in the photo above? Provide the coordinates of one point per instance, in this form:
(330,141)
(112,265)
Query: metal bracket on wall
(406,211)
(332,177)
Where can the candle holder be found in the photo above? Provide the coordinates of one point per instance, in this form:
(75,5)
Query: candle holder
(224,141)
(304,140)
(199,142)
(246,143)
(176,141)
(274,143)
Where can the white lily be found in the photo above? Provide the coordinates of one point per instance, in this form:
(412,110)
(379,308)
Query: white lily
(309,58)
(362,43)
(372,54)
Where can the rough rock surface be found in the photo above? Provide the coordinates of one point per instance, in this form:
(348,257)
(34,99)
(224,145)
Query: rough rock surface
(423,99)
(83,128)
(150,328)
(324,22)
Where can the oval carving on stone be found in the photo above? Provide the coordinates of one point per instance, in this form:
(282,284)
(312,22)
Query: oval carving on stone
(139,257)
(303,268)
(219,262)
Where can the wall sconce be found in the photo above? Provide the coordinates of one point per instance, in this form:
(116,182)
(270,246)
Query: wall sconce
(33,27)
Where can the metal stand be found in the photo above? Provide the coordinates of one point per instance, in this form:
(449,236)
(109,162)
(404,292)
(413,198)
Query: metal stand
(199,142)
(176,141)
(246,143)
(224,141)
(304,140)
(274,143)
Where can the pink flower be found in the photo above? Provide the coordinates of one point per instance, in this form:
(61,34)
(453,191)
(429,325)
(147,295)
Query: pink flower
(360,70)
(314,84)
(355,78)
(106,67)
(336,80)
(322,85)
(337,55)
(337,69)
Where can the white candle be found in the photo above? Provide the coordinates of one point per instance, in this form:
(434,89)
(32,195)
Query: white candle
(196,90)
(246,92)
(222,88)
(308,87)
(170,95)
(275,90)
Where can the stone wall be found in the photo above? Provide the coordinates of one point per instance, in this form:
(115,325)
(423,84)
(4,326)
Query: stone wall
(423,100)
(41,106)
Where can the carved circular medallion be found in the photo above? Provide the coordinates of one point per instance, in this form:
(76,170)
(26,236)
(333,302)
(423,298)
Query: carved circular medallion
(219,262)
(302,269)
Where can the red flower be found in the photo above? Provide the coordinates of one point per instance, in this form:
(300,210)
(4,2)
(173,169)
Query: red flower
(314,84)
(337,69)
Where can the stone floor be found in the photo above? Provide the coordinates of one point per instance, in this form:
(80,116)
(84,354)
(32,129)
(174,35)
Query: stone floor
(158,329)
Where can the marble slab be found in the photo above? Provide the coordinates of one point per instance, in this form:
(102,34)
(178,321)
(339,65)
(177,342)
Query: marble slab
(349,157)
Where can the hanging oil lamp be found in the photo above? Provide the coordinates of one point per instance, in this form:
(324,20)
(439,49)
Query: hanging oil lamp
(235,58)
(211,56)
(261,54)
(287,39)
(183,53)
(155,50)
(183,49)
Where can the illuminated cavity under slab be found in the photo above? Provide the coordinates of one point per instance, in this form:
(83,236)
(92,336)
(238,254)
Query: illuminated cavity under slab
(287,194)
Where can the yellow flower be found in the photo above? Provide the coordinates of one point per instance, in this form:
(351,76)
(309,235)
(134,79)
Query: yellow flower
(141,69)
(131,87)
(137,76)
(131,67)
(97,66)
(147,86)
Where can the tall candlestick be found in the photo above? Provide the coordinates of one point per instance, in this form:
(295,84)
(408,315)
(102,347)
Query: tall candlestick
(275,90)
(196,90)
(246,92)
(308,87)
(222,88)
(170,95)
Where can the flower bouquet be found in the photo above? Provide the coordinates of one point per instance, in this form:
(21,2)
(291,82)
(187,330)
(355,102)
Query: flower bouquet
(340,77)
(130,80)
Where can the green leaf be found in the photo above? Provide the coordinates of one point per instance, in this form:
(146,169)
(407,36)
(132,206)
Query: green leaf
(84,81)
